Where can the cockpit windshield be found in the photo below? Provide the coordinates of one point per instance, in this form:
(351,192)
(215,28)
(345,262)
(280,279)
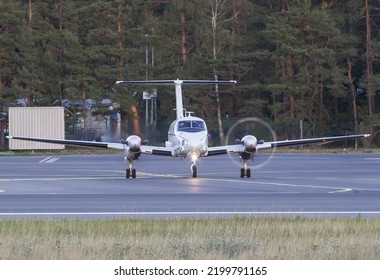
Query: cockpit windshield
(191,126)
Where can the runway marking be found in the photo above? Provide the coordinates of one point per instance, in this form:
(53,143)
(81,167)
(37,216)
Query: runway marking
(336,189)
(49,160)
(203,213)
(161,175)
(145,175)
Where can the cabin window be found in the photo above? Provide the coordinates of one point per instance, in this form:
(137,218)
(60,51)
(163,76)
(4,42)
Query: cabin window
(191,126)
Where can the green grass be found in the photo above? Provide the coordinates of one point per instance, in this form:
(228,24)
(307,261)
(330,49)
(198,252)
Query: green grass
(229,238)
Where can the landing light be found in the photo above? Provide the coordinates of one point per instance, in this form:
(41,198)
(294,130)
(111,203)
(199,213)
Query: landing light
(194,157)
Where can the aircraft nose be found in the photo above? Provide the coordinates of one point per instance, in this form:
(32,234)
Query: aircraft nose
(194,146)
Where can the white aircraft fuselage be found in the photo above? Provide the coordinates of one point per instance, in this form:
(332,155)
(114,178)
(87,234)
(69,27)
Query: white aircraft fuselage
(188,137)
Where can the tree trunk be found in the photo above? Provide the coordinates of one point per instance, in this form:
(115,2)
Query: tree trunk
(84,112)
(214,23)
(30,16)
(183,38)
(135,122)
(2,64)
(369,60)
(120,40)
(30,12)
(353,95)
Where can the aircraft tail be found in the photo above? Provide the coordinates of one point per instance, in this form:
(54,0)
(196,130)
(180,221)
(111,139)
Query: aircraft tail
(178,88)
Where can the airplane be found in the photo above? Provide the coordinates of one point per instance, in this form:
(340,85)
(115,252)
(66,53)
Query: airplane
(188,136)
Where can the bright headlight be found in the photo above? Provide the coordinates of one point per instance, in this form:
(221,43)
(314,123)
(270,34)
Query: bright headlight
(194,156)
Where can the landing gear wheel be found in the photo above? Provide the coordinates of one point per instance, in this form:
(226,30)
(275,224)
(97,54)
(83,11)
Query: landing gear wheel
(244,173)
(133,173)
(127,173)
(194,171)
(130,173)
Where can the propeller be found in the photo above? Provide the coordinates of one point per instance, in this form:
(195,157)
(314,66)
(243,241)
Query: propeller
(246,132)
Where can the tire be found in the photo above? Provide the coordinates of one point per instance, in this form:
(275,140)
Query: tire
(127,173)
(133,173)
(248,173)
(194,170)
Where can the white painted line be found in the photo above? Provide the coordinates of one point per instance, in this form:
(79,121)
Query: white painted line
(48,160)
(341,191)
(211,213)
(45,159)
(334,189)
(52,160)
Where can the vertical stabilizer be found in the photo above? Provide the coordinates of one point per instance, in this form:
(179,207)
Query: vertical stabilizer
(178,98)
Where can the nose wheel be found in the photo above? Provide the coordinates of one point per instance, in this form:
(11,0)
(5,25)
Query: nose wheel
(194,170)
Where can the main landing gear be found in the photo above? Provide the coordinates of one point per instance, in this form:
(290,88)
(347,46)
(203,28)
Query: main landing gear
(130,172)
(245,171)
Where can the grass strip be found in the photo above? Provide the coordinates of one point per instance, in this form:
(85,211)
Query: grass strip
(210,238)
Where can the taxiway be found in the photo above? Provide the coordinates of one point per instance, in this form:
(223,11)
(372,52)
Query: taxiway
(94,187)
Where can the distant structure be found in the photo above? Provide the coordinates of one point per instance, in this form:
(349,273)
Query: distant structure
(43,122)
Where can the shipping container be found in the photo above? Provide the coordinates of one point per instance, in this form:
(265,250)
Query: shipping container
(42,122)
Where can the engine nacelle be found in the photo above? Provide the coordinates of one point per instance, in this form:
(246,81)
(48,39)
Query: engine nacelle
(250,144)
(133,150)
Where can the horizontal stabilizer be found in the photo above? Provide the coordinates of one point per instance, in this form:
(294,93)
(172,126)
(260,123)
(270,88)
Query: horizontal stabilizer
(173,82)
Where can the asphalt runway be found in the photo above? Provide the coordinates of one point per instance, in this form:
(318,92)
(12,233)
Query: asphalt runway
(94,187)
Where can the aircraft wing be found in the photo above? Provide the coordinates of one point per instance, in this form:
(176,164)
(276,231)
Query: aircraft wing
(228,149)
(324,140)
(240,148)
(107,145)
(156,150)
(145,149)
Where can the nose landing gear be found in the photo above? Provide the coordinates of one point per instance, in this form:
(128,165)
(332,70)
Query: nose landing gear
(194,170)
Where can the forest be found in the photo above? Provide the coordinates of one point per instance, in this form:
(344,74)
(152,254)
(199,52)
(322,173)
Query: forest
(315,61)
